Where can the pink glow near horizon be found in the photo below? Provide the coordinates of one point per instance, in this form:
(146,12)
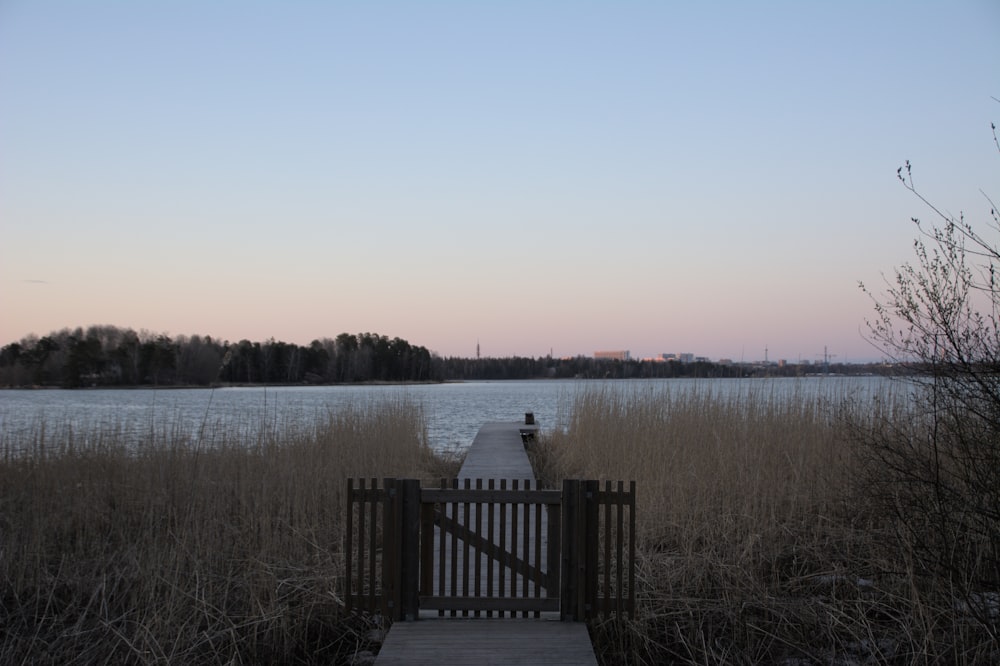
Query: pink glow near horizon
(660,180)
(513,323)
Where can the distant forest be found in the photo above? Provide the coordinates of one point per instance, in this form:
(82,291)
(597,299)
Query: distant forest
(112,356)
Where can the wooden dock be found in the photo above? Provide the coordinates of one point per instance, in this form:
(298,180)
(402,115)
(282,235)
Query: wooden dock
(496,454)
(482,641)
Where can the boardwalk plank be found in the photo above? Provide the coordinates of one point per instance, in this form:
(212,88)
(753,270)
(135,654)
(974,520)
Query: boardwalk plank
(497,452)
(487,641)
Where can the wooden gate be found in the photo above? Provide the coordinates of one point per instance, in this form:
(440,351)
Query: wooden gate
(490,549)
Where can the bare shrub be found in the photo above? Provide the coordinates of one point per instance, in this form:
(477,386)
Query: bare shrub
(937,472)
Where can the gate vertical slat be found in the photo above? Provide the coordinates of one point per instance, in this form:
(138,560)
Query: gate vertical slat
(454,548)
(442,550)
(465,548)
(491,528)
(591,543)
(538,554)
(525,544)
(478,568)
(501,586)
(513,544)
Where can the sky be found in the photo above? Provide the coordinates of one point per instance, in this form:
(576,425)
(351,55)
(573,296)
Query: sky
(536,177)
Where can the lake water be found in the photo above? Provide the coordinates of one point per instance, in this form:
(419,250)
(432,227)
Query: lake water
(453,412)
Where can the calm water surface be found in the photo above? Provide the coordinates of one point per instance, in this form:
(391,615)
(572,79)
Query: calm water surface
(453,412)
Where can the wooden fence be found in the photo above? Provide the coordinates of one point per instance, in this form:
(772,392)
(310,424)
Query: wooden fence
(490,549)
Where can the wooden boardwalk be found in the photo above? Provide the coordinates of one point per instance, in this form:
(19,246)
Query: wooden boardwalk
(496,453)
(482,641)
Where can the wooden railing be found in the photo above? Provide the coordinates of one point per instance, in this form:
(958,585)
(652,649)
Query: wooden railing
(489,549)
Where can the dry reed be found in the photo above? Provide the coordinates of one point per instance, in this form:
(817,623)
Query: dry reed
(754,547)
(224,552)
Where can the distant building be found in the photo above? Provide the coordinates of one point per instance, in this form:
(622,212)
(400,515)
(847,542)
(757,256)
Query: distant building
(622,355)
(686,358)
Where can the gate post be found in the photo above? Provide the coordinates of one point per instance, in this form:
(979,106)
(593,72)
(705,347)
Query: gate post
(578,584)
(554,549)
(570,587)
(391,552)
(409,549)
(590,516)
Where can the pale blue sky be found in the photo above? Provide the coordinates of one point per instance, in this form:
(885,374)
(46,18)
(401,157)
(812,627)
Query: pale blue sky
(710,178)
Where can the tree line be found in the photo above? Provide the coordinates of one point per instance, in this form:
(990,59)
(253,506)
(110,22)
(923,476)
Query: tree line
(113,356)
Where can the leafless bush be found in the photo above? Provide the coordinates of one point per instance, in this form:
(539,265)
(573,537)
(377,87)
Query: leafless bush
(937,471)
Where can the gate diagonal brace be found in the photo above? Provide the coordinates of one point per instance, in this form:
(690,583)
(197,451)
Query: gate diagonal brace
(490,549)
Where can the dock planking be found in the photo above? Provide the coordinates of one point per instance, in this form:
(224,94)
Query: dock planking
(482,641)
(497,453)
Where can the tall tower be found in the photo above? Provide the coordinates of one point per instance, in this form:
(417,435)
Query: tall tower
(477,349)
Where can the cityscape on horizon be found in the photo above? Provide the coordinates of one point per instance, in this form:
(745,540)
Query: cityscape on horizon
(688,357)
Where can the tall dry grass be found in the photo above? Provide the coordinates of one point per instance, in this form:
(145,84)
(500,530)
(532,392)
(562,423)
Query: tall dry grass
(754,545)
(225,552)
